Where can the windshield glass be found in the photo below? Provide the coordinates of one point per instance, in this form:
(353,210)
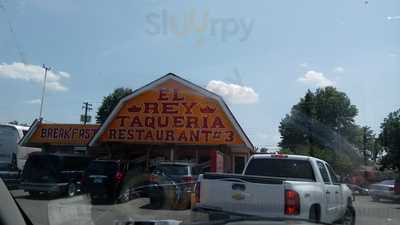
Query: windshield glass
(4,166)
(297,169)
(8,142)
(200,111)
(174,169)
(388,182)
(102,167)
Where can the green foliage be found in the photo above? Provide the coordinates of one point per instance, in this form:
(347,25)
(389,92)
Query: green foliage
(390,140)
(318,119)
(109,103)
(322,125)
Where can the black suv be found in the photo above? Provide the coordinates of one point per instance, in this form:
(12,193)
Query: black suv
(103,179)
(53,174)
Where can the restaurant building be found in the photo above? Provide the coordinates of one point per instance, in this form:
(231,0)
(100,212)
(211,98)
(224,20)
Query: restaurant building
(169,119)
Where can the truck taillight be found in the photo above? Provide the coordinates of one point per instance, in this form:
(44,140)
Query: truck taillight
(197,192)
(187,179)
(397,187)
(292,202)
(119,176)
(153,178)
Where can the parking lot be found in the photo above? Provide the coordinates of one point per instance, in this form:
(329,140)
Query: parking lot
(78,210)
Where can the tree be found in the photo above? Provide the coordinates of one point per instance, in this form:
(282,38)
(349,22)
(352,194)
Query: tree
(390,140)
(109,103)
(317,120)
(322,125)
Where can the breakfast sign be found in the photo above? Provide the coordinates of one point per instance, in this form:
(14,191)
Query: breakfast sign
(64,134)
(172,113)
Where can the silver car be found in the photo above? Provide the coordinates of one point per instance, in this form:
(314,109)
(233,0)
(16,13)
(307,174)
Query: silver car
(383,190)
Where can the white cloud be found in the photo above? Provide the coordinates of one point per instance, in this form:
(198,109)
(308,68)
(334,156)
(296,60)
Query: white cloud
(233,93)
(393,18)
(316,78)
(338,69)
(33,101)
(34,73)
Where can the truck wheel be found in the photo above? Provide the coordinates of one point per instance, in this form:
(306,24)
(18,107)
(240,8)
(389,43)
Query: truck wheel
(157,198)
(71,189)
(314,214)
(349,217)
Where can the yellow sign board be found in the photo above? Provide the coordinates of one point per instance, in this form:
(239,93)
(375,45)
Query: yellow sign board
(64,134)
(172,113)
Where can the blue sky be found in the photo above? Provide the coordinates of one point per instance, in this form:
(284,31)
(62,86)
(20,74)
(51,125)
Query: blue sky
(261,55)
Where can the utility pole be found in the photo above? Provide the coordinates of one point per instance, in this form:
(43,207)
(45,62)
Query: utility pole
(44,89)
(365,145)
(87,107)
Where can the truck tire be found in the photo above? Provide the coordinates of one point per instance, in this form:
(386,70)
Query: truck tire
(349,217)
(71,190)
(315,214)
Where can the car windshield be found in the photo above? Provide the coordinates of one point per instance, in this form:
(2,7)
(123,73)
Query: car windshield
(4,166)
(388,182)
(180,170)
(8,142)
(102,167)
(195,112)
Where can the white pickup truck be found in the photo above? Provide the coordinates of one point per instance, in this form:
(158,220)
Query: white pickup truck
(278,187)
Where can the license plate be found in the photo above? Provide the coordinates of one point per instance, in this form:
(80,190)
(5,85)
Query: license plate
(98,180)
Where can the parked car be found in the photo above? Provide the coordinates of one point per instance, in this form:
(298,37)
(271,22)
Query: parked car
(103,180)
(53,174)
(295,187)
(172,184)
(10,174)
(387,189)
(358,190)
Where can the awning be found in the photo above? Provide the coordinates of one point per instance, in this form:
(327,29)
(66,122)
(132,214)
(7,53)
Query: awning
(41,134)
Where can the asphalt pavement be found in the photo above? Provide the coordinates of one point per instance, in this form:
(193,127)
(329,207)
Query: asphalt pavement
(78,210)
(384,212)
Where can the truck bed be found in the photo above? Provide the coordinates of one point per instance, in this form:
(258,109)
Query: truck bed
(244,194)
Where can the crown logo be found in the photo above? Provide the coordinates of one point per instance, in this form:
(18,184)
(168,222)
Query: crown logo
(207,109)
(134,109)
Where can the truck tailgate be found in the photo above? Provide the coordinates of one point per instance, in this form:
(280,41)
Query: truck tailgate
(252,195)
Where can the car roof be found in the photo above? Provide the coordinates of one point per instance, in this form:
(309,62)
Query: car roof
(177,163)
(296,157)
(106,160)
(58,154)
